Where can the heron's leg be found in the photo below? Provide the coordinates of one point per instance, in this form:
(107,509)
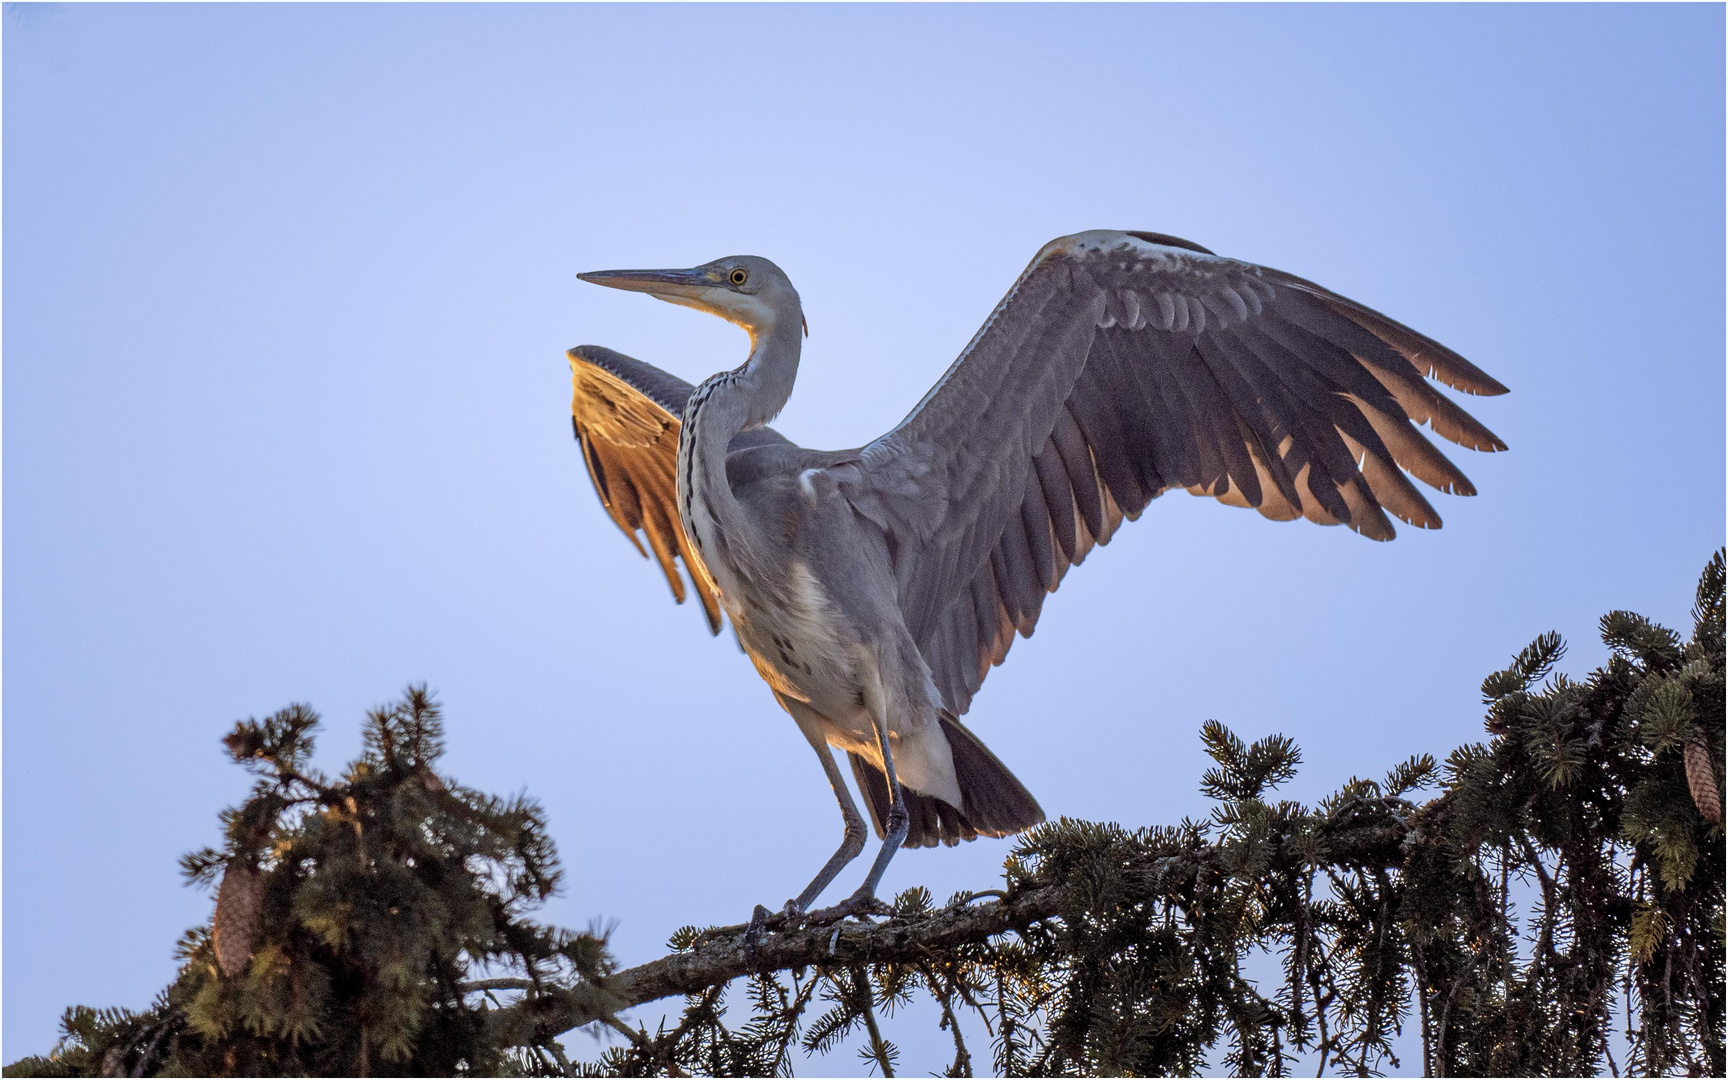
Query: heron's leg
(810,723)
(898,818)
(851,844)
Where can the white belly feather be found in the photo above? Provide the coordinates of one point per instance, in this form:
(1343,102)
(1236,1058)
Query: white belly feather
(797,650)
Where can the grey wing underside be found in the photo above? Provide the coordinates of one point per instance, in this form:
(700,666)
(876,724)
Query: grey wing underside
(1122,365)
(627,416)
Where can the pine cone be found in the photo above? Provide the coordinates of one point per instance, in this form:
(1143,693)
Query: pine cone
(239,902)
(1701,778)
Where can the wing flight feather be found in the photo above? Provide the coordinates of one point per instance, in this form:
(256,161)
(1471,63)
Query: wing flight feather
(1121,365)
(627,418)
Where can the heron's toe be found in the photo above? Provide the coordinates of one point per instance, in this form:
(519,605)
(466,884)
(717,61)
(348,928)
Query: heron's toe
(865,902)
(859,904)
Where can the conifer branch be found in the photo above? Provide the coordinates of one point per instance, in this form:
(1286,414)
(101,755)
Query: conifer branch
(478,985)
(723,956)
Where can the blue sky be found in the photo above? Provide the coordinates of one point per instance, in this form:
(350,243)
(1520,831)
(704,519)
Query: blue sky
(286,294)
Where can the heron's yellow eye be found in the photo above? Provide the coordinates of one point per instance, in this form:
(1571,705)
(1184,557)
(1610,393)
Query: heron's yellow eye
(739,275)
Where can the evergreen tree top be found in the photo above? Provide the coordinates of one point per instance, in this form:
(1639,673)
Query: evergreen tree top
(380,922)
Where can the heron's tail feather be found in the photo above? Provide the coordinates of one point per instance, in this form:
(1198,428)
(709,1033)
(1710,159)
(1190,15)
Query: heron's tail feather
(932,820)
(992,798)
(992,801)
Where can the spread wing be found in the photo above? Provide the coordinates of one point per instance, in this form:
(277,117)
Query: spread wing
(1119,366)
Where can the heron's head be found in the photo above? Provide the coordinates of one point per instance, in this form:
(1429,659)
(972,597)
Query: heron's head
(743,289)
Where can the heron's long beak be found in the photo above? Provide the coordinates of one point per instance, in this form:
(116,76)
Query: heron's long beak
(673,285)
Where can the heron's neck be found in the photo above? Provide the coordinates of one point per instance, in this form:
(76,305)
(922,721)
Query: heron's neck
(738,400)
(765,380)
(750,395)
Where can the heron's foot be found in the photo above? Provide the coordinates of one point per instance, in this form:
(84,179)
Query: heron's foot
(763,921)
(753,932)
(860,904)
(760,920)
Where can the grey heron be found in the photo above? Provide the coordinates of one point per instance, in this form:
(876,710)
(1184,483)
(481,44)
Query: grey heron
(874,588)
